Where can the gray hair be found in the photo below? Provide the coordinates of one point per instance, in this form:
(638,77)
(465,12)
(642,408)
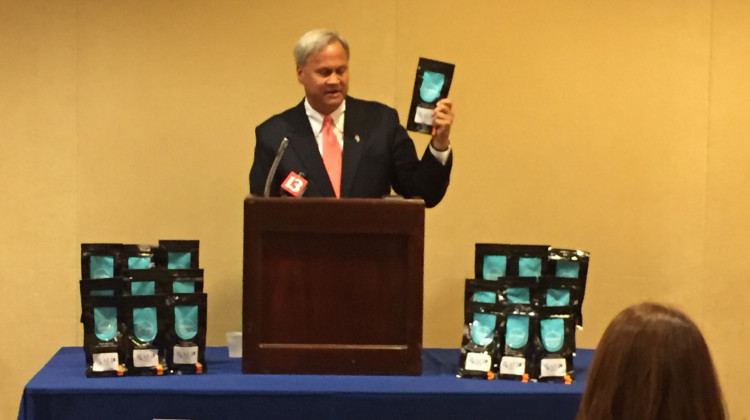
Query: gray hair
(314,41)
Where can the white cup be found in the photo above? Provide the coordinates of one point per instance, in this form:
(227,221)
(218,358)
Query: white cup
(234,342)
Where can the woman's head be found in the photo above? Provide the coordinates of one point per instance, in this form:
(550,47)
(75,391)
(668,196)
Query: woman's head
(652,363)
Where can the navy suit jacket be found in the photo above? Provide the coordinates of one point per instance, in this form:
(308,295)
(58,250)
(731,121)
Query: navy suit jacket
(378,155)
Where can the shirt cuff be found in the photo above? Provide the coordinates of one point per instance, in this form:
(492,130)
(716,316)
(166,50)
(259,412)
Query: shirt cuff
(441,155)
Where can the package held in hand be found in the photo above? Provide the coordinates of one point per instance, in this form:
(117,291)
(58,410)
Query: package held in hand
(432,83)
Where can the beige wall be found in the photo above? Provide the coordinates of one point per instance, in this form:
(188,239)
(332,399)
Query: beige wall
(615,127)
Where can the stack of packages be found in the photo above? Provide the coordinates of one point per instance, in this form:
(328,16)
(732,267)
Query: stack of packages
(521,313)
(143,309)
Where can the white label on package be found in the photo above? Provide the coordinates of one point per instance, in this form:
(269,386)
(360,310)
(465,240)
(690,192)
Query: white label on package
(553,367)
(185,355)
(145,357)
(423,116)
(512,366)
(478,361)
(105,361)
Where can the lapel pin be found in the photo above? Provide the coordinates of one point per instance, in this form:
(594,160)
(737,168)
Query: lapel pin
(356,138)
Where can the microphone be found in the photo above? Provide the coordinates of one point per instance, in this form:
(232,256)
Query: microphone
(274,166)
(294,184)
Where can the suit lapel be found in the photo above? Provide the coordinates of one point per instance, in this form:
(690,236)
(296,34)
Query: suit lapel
(302,141)
(354,143)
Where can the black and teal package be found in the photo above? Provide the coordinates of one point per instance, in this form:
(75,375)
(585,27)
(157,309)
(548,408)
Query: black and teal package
(518,329)
(103,336)
(556,344)
(568,263)
(480,341)
(573,264)
(432,83)
(137,256)
(174,254)
(482,291)
(100,260)
(112,287)
(145,320)
(185,337)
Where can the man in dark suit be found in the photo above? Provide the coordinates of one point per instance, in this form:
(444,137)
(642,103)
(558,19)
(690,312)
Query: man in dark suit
(375,152)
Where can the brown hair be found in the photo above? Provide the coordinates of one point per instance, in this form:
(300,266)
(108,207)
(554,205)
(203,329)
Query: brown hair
(652,363)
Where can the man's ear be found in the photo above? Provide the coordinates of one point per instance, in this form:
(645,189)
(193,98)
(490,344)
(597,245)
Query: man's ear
(299,74)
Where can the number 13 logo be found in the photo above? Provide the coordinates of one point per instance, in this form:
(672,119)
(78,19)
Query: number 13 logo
(294,184)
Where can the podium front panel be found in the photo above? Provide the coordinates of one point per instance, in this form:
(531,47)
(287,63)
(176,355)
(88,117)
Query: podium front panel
(333,286)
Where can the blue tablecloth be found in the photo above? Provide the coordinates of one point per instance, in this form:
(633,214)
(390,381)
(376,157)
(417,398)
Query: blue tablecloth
(61,391)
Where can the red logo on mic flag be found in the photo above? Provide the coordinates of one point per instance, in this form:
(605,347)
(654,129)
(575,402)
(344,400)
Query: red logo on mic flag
(294,184)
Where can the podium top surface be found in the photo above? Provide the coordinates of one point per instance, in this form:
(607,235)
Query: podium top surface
(385,201)
(335,215)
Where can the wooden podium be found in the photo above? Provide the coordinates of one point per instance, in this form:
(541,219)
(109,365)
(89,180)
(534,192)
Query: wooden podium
(333,286)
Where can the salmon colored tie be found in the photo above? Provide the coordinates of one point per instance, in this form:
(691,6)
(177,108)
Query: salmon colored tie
(332,155)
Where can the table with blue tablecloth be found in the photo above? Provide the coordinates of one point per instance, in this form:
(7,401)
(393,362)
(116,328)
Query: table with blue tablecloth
(60,391)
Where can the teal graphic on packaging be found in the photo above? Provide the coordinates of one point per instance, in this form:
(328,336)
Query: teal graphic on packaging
(432,84)
(105,322)
(518,295)
(139,263)
(483,328)
(102,266)
(517,331)
(186,321)
(553,334)
(178,260)
(558,297)
(142,288)
(183,287)
(529,267)
(144,324)
(494,266)
(567,269)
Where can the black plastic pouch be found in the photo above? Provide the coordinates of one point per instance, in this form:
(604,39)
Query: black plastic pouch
(480,341)
(178,254)
(103,336)
(432,83)
(145,319)
(570,263)
(100,260)
(185,337)
(492,261)
(137,256)
(556,344)
(517,327)
(481,291)
(111,287)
